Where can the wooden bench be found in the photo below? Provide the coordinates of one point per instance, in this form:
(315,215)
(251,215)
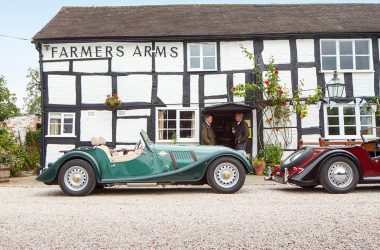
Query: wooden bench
(322,142)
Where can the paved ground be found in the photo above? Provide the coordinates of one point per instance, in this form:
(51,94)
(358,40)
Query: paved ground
(261,215)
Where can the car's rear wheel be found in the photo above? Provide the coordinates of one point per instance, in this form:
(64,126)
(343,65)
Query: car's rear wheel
(77,177)
(226,175)
(339,175)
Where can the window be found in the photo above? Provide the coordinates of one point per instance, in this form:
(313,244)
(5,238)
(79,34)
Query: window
(346,55)
(348,120)
(61,124)
(201,56)
(176,123)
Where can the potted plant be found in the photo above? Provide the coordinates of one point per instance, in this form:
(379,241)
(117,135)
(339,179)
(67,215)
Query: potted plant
(6,162)
(112,101)
(259,165)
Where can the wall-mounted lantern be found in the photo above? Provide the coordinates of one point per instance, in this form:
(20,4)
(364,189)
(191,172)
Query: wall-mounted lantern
(335,87)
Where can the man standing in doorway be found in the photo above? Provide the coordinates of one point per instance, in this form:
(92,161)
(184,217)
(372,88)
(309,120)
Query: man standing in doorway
(241,132)
(207,132)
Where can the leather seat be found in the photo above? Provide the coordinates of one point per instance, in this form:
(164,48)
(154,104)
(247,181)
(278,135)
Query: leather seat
(114,156)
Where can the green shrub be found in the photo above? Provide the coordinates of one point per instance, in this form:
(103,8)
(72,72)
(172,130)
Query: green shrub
(20,157)
(272,154)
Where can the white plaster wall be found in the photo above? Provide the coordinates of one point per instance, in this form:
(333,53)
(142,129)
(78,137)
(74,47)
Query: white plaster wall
(305,50)
(312,119)
(130,63)
(210,102)
(238,78)
(292,134)
(169,63)
(170,89)
(293,119)
(96,123)
(311,138)
(55,66)
(128,130)
(134,88)
(61,89)
(91,66)
(363,84)
(254,133)
(279,49)
(133,112)
(215,84)
(232,57)
(96,88)
(194,90)
(309,78)
(52,151)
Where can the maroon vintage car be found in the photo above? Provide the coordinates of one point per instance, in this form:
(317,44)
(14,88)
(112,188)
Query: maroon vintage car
(337,169)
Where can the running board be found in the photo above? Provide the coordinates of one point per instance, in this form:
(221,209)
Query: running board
(372,179)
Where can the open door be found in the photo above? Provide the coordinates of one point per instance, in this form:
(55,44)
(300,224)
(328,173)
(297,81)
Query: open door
(223,122)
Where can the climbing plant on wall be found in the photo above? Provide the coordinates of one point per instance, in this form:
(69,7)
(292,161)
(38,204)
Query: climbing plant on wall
(270,96)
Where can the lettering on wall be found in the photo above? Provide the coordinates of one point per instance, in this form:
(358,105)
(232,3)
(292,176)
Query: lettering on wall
(108,51)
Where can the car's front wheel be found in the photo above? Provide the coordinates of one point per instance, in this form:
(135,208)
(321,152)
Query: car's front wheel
(339,175)
(77,177)
(226,175)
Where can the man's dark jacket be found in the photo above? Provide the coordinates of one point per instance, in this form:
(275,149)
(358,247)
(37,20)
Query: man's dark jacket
(207,135)
(241,134)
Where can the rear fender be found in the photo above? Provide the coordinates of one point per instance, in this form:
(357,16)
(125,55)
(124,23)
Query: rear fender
(316,164)
(49,175)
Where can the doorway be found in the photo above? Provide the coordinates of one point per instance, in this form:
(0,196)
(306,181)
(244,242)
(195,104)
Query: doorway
(224,121)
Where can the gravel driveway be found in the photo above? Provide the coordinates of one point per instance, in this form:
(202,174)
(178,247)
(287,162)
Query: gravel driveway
(259,216)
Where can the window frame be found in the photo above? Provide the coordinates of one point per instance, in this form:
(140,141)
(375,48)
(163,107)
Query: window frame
(201,68)
(62,114)
(177,129)
(341,125)
(338,55)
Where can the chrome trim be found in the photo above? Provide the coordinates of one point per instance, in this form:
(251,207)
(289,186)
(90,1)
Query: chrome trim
(374,178)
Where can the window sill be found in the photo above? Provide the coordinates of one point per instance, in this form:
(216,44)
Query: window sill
(177,142)
(347,71)
(61,136)
(201,70)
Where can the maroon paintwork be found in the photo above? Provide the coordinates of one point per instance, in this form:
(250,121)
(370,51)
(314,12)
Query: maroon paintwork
(366,157)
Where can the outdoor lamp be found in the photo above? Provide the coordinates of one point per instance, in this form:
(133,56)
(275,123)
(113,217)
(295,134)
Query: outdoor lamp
(335,86)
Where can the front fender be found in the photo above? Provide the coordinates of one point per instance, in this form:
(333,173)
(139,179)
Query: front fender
(311,172)
(50,174)
(236,155)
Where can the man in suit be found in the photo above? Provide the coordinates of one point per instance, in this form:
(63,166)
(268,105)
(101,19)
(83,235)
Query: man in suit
(241,132)
(207,132)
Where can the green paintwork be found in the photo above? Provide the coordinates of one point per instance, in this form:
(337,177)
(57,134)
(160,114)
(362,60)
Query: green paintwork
(152,165)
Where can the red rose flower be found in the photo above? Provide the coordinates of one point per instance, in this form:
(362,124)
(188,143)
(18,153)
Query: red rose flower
(266,82)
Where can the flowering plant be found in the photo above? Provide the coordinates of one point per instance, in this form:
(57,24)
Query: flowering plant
(113,101)
(272,98)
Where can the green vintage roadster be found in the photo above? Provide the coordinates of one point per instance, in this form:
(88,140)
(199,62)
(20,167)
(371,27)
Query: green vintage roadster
(82,169)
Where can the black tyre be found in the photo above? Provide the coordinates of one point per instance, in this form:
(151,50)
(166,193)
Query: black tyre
(226,175)
(339,175)
(77,178)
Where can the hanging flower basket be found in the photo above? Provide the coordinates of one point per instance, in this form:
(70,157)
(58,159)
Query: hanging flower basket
(112,102)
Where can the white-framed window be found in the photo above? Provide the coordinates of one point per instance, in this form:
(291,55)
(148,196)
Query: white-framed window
(201,57)
(61,124)
(346,55)
(346,121)
(180,124)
